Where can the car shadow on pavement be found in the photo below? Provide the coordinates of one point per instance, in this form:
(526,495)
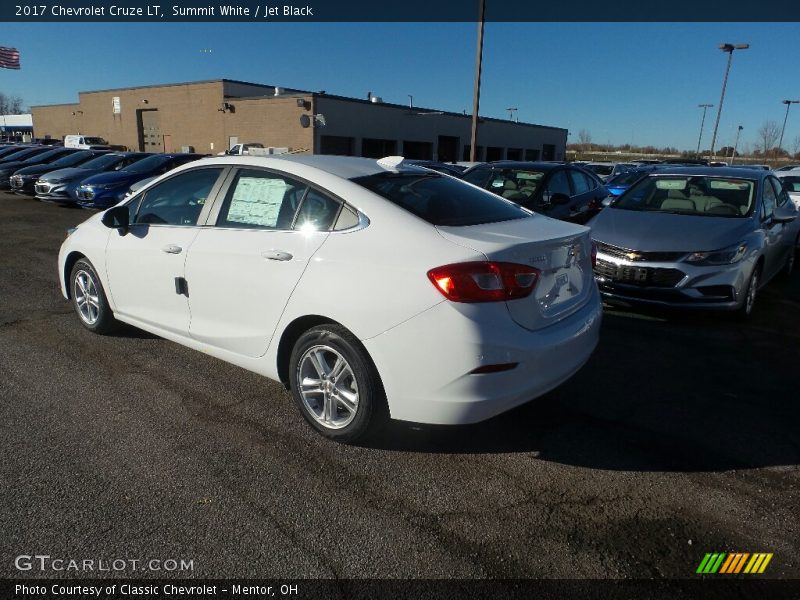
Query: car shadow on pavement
(664,391)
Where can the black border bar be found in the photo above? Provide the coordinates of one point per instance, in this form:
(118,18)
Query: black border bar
(730,588)
(266,11)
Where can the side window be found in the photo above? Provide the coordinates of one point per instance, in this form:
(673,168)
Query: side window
(317,212)
(261,200)
(179,199)
(559,184)
(580,182)
(768,200)
(478,177)
(780,193)
(347,219)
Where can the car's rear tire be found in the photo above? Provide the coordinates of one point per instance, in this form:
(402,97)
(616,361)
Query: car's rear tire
(89,299)
(336,386)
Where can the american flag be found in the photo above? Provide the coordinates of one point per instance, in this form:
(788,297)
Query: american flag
(9,58)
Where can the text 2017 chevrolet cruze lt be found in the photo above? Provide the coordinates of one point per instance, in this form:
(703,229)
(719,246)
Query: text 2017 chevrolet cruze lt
(372,289)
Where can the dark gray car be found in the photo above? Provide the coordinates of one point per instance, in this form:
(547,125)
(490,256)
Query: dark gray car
(557,190)
(696,236)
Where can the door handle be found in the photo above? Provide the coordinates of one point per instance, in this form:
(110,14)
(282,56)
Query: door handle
(276,255)
(172,249)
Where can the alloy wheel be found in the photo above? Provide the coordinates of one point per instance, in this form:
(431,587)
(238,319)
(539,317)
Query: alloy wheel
(328,387)
(86,296)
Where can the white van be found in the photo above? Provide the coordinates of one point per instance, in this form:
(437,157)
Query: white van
(85,142)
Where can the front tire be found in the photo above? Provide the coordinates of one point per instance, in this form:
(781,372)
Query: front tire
(335,385)
(750,292)
(89,299)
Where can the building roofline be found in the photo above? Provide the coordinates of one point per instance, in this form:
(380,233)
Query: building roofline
(435,111)
(54,105)
(291,92)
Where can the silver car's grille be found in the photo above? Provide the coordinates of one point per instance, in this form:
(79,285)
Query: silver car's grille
(636,256)
(643,276)
(42,188)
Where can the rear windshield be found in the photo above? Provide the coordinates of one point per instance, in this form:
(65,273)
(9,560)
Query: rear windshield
(600,169)
(626,178)
(441,200)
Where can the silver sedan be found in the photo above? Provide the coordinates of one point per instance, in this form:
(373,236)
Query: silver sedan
(696,237)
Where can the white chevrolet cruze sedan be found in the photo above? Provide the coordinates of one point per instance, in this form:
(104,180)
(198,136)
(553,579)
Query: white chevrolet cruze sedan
(371,289)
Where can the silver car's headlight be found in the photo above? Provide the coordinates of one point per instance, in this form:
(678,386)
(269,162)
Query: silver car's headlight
(726,256)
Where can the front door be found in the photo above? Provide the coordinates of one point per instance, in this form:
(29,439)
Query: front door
(242,271)
(146,265)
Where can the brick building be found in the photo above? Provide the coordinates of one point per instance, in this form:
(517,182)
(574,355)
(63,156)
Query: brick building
(211,116)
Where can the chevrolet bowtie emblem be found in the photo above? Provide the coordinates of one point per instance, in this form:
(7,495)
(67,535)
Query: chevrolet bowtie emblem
(633,255)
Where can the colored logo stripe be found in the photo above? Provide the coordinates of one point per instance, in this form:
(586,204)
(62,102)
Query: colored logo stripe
(735,562)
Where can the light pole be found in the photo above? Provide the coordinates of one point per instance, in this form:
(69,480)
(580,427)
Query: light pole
(729,48)
(788,103)
(511,112)
(736,144)
(476,97)
(705,107)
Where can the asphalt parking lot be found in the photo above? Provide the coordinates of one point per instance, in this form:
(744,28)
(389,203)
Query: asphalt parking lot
(680,437)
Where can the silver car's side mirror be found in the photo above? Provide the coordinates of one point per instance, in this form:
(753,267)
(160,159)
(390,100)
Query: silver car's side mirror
(607,201)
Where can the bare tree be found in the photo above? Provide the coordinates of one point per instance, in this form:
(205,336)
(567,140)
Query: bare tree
(10,105)
(585,138)
(767,136)
(796,144)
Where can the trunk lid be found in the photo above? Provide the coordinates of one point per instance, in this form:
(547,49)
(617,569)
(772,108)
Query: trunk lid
(560,251)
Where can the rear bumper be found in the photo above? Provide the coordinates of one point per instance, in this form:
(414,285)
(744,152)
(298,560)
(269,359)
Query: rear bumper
(426,362)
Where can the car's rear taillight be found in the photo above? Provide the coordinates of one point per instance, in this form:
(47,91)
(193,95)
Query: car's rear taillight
(594,254)
(484,281)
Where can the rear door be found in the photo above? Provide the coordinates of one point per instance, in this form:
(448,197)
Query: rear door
(243,267)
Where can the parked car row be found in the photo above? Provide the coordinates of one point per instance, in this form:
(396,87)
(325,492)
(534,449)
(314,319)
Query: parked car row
(337,265)
(89,178)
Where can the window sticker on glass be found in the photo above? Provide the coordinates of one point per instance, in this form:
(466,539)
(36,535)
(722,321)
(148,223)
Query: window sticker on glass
(257,201)
(498,183)
(671,184)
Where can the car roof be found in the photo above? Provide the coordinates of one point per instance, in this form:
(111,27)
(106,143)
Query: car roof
(732,172)
(347,167)
(521,164)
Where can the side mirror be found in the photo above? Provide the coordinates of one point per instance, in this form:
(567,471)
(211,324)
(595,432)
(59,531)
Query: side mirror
(607,201)
(559,198)
(785,214)
(117,218)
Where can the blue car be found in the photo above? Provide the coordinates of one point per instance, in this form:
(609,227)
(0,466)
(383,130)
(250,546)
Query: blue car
(107,189)
(56,186)
(618,184)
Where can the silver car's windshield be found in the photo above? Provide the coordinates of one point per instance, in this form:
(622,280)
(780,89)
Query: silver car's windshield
(696,195)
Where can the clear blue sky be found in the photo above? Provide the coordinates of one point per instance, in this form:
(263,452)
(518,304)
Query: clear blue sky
(624,83)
